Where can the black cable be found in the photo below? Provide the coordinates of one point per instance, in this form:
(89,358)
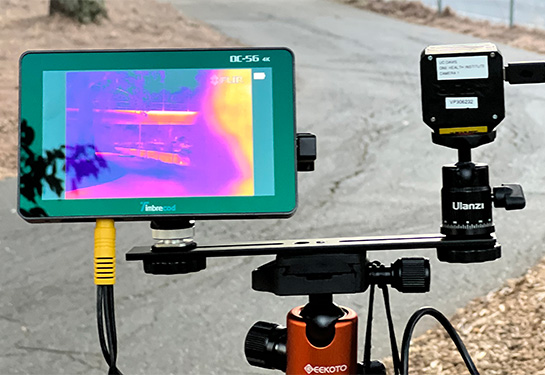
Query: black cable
(112,330)
(100,324)
(393,341)
(108,306)
(407,334)
(112,320)
(106,327)
(369,330)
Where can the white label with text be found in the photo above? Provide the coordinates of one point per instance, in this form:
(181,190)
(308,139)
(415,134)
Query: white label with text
(325,369)
(462,103)
(471,67)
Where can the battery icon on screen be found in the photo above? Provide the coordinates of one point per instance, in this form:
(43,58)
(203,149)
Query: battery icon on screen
(259,75)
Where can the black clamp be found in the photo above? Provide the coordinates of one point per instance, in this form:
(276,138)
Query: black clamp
(509,196)
(338,273)
(525,72)
(306,152)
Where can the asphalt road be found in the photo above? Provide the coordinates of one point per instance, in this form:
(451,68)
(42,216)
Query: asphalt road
(378,173)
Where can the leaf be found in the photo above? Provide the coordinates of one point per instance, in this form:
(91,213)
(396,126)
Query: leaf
(55,184)
(36,167)
(27,133)
(37,212)
(27,190)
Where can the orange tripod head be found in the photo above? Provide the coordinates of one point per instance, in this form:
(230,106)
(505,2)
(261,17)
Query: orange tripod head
(321,337)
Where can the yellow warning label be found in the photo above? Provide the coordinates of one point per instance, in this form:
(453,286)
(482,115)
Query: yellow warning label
(471,129)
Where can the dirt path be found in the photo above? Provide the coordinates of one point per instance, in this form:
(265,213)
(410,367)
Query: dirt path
(25,25)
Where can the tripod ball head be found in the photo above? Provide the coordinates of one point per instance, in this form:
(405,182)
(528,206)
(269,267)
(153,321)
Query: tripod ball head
(466,200)
(466,207)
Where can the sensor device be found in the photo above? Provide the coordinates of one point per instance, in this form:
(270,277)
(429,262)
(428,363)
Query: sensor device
(139,134)
(463,102)
(462,88)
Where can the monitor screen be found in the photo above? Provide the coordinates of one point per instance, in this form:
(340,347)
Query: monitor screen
(202,138)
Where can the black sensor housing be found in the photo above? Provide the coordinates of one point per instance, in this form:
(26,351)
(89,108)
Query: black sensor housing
(462,88)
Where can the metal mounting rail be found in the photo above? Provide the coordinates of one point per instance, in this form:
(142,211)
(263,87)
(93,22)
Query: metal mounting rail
(344,245)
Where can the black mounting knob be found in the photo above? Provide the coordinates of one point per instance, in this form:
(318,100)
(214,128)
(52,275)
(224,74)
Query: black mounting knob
(411,275)
(265,346)
(509,196)
(407,275)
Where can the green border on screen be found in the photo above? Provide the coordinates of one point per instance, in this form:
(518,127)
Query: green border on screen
(282,204)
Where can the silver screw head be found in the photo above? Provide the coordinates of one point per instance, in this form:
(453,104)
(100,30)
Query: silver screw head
(430,58)
(495,117)
(492,54)
(433,119)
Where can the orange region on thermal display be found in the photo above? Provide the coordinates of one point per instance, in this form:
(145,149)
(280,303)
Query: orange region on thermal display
(232,109)
(138,117)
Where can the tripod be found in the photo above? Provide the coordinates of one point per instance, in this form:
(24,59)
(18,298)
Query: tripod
(462,106)
(321,337)
(318,268)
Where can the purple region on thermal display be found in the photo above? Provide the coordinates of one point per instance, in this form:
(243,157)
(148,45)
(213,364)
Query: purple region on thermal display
(137,134)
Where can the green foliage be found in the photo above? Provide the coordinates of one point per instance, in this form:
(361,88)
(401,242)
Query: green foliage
(84,11)
(37,168)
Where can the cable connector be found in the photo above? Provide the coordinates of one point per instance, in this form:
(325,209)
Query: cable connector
(105,252)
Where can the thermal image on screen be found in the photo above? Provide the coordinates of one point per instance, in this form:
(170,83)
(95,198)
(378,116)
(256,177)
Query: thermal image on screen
(159,133)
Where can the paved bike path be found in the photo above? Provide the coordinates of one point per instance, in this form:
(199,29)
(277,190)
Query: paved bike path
(378,173)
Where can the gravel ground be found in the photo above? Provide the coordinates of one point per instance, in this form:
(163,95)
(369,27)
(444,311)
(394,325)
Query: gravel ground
(503,332)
